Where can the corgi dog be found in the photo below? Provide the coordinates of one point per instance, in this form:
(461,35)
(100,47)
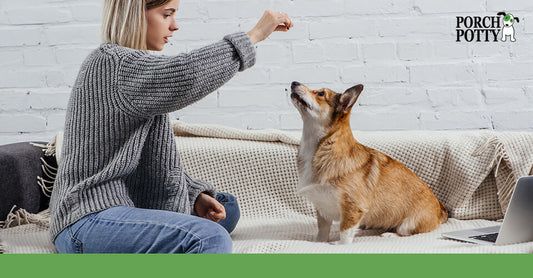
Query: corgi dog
(351,183)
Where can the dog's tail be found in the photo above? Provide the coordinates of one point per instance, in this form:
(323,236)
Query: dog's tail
(443,213)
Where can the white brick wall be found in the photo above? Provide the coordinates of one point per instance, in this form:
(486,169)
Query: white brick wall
(404,51)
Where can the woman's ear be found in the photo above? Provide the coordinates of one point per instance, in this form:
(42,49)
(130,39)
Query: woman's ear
(349,97)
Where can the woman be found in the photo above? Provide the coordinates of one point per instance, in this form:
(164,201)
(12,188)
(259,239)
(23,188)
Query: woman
(121,187)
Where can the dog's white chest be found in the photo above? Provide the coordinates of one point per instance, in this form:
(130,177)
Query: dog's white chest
(325,199)
(323,196)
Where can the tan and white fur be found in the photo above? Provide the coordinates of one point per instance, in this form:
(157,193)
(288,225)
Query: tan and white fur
(351,183)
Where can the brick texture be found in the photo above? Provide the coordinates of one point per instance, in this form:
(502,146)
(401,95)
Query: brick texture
(416,75)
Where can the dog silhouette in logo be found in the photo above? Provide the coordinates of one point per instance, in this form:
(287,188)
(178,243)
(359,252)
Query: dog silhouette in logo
(508,29)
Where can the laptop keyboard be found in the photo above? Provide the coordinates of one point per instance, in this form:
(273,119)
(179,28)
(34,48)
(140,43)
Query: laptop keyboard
(486,237)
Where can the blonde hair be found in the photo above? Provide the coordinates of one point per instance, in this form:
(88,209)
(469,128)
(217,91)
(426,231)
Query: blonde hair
(124,22)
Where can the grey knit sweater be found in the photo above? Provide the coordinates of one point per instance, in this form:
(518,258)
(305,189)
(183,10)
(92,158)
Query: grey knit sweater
(118,147)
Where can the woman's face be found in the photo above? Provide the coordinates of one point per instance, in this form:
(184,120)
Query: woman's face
(160,25)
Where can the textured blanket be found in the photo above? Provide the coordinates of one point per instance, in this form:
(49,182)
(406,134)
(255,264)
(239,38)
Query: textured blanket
(472,172)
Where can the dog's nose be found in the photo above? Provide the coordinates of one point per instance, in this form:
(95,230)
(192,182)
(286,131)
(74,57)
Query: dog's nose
(295,84)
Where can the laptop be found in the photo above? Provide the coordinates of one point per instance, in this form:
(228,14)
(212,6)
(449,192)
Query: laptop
(517,224)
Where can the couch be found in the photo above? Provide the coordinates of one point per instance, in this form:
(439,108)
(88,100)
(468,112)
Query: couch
(472,172)
(20,165)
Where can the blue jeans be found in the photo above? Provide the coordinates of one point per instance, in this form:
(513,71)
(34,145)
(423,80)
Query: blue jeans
(136,230)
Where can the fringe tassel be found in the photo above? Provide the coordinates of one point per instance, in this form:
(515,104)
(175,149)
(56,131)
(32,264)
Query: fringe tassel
(499,153)
(9,218)
(493,140)
(48,149)
(50,172)
(21,217)
(504,191)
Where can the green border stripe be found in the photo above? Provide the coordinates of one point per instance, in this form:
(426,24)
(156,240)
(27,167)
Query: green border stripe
(267,265)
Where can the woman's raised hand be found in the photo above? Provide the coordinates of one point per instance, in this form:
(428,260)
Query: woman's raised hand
(270,22)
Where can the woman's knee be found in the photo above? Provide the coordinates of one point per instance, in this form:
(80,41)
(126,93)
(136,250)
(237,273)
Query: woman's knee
(213,239)
(233,212)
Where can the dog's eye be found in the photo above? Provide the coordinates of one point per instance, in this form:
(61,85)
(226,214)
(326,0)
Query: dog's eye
(320,94)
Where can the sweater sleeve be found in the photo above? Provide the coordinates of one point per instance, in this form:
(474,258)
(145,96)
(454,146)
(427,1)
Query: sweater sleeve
(150,85)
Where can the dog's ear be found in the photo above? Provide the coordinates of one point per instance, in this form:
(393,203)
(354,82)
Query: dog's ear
(502,13)
(349,97)
(516,18)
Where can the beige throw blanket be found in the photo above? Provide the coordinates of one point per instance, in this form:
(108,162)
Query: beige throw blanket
(472,172)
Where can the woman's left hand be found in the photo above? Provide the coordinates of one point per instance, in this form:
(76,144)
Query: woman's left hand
(209,208)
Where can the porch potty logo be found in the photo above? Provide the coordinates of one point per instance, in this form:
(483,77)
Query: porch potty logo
(486,29)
